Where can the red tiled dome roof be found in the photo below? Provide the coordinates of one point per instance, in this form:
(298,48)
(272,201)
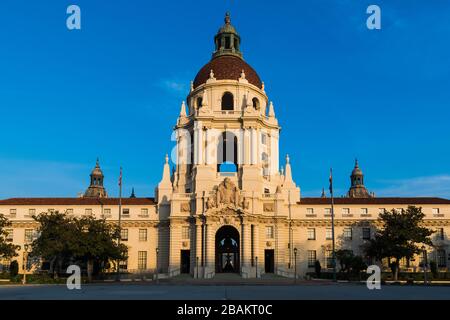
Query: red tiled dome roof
(227,67)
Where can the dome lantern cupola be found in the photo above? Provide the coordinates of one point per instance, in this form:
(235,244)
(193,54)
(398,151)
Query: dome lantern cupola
(227,40)
(96,188)
(357,188)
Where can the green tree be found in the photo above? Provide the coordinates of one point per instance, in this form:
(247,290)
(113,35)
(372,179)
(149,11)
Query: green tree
(13,268)
(98,243)
(7,250)
(345,259)
(64,239)
(400,236)
(350,263)
(57,239)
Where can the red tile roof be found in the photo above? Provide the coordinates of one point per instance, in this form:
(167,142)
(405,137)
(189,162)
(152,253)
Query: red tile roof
(379,201)
(76,201)
(227,68)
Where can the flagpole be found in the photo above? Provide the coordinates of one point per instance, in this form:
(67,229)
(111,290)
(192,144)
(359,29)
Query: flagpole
(332,226)
(120,220)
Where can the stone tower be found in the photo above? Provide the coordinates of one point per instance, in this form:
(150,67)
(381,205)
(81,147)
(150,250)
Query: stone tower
(227,174)
(96,188)
(357,188)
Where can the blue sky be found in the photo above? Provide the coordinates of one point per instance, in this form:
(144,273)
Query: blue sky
(113,90)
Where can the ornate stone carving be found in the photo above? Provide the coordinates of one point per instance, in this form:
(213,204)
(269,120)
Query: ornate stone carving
(268,207)
(226,199)
(185,207)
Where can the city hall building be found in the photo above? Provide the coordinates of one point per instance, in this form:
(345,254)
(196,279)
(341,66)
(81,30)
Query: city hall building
(229,205)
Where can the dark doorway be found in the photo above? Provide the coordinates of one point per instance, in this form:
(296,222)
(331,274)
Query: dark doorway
(227,250)
(185,261)
(269,261)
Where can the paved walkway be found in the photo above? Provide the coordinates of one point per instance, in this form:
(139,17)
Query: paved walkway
(146,291)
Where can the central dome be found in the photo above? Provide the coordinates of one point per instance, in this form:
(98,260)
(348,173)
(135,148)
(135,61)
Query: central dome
(227,67)
(227,62)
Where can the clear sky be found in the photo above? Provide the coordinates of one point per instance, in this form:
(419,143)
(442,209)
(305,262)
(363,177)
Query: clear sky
(113,90)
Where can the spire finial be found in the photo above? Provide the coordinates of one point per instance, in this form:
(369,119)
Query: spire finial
(97,163)
(287,159)
(167,159)
(183,109)
(227,18)
(132,193)
(356,163)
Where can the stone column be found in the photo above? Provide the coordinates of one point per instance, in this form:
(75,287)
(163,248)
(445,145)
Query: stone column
(253,143)
(175,247)
(274,152)
(198,249)
(198,143)
(207,146)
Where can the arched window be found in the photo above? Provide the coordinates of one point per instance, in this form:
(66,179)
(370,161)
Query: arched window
(227,101)
(265,164)
(227,153)
(255,103)
(227,43)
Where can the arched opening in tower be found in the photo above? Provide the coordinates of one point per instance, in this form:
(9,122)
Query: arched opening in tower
(227,153)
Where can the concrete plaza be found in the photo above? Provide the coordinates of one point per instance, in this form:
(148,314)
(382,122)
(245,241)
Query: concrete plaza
(152,291)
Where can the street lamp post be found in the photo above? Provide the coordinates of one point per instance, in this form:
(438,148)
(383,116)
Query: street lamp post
(425,265)
(157,258)
(196,265)
(295,265)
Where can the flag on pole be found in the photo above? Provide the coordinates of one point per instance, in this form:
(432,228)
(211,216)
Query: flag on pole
(120,177)
(331,181)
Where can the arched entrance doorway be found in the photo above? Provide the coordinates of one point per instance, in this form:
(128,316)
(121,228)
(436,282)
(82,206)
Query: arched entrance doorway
(227,250)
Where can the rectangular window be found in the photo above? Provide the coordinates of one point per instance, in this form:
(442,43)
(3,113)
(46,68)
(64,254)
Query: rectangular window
(185,233)
(269,232)
(329,234)
(364,211)
(88,212)
(9,235)
(31,212)
(69,211)
(311,258)
(144,212)
(440,234)
(366,233)
(126,212)
(142,260)
(441,257)
(435,211)
(12,212)
(327,211)
(29,235)
(311,234)
(263,138)
(124,234)
(107,212)
(123,264)
(142,234)
(309,211)
(329,258)
(348,233)
(345,211)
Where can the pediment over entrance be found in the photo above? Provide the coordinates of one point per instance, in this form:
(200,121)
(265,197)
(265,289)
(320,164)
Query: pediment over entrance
(226,199)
